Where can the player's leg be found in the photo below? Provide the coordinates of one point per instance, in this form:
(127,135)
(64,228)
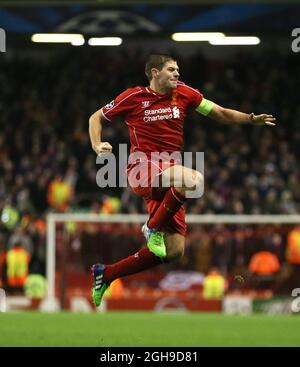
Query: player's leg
(176,180)
(103,275)
(174,233)
(144,259)
(180,179)
(156,252)
(175,246)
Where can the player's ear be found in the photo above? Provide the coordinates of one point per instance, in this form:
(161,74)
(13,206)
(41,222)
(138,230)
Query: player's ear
(154,72)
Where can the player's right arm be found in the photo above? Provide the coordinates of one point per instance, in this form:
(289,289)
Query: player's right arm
(119,107)
(95,129)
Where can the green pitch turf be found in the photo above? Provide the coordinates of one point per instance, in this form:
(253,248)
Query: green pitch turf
(147,329)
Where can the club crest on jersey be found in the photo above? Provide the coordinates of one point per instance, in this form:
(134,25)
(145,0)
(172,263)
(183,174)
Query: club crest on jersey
(174,98)
(176,112)
(145,104)
(109,105)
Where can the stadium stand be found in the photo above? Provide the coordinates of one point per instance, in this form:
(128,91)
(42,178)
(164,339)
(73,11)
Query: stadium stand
(45,104)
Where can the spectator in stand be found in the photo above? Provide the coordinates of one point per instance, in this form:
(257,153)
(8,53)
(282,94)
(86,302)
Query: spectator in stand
(17,267)
(263,268)
(291,276)
(116,290)
(214,285)
(20,236)
(2,262)
(293,246)
(59,194)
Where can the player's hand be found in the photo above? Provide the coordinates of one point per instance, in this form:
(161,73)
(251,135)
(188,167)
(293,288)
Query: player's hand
(263,119)
(101,148)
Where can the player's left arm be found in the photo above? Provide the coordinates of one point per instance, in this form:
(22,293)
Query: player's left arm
(228,116)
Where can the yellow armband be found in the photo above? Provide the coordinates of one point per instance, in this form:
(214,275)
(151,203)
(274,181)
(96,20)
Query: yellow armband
(205,107)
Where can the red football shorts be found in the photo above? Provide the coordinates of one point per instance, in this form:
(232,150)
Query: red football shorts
(143,178)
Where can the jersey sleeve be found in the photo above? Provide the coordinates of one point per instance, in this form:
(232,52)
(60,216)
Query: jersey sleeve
(121,105)
(194,96)
(199,103)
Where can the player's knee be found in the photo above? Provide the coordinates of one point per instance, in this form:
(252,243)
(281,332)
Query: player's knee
(197,179)
(193,180)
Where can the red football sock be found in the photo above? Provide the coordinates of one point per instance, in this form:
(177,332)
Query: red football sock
(142,260)
(171,203)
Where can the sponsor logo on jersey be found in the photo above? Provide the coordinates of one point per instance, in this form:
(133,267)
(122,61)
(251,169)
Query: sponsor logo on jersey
(161,114)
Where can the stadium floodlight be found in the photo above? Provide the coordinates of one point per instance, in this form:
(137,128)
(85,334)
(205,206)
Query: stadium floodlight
(234,41)
(105,41)
(78,42)
(74,39)
(196,36)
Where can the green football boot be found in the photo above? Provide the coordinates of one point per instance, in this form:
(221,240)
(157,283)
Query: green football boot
(155,241)
(99,284)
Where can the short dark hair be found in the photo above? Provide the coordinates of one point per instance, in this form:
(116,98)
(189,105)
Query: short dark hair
(156,61)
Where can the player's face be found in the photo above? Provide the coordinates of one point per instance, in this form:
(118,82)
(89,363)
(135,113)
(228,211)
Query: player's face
(168,76)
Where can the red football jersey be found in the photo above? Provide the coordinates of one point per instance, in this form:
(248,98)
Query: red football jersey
(155,120)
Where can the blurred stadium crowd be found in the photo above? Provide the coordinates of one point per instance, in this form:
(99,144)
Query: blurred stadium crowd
(47,164)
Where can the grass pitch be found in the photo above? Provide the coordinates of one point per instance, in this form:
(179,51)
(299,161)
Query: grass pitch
(131,329)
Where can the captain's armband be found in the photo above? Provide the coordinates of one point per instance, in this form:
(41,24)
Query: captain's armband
(205,107)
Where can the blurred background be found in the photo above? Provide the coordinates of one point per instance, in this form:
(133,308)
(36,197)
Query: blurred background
(49,90)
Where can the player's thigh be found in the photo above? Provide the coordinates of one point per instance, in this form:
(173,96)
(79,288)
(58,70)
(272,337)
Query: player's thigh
(175,245)
(180,176)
